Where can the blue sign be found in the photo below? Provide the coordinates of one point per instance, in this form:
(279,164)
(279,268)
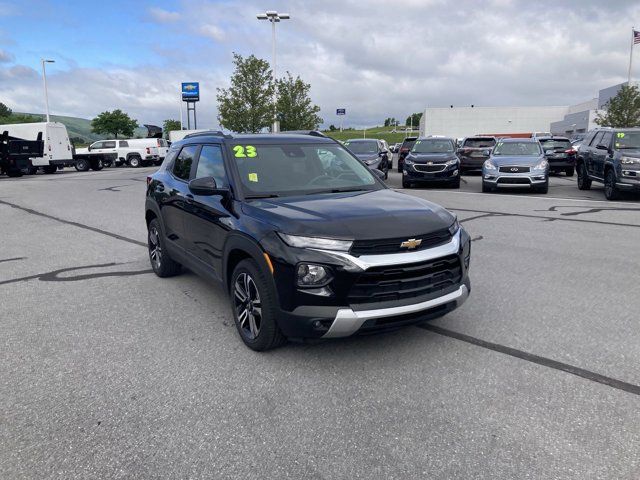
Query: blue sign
(341,111)
(190,91)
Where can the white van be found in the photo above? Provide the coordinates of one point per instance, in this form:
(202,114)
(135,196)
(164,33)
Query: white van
(57,147)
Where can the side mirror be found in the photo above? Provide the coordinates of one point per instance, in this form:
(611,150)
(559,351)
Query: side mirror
(379,173)
(89,148)
(384,152)
(600,146)
(206,186)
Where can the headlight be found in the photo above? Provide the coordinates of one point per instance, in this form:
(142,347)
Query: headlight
(455,226)
(488,164)
(408,161)
(309,275)
(314,242)
(453,161)
(542,165)
(629,160)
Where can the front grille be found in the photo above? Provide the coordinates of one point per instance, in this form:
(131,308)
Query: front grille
(398,282)
(430,168)
(515,169)
(514,180)
(392,245)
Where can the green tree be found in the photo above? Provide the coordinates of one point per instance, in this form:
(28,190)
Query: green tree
(169,125)
(4,110)
(294,106)
(247,105)
(114,123)
(413,119)
(623,110)
(332,128)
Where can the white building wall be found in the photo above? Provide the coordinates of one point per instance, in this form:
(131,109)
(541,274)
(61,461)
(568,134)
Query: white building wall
(460,122)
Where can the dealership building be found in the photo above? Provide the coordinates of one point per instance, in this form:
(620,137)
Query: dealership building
(459,122)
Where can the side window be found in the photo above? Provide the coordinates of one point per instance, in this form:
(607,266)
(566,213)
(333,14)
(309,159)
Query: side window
(211,164)
(109,144)
(97,145)
(606,139)
(596,139)
(182,165)
(124,144)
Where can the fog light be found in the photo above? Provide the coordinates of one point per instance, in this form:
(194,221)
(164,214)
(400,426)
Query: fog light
(455,173)
(309,275)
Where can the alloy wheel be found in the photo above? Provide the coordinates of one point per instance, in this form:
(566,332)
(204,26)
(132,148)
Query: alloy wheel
(155,250)
(248,306)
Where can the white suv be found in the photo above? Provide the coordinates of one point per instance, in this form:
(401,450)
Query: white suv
(131,152)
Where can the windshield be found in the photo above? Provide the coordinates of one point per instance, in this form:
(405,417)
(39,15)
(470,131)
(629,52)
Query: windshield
(433,146)
(282,170)
(517,148)
(362,146)
(479,142)
(627,141)
(554,144)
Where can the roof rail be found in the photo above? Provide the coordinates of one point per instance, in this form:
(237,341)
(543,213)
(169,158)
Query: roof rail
(208,133)
(313,133)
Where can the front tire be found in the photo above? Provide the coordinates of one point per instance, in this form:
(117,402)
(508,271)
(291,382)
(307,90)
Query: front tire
(544,188)
(456,182)
(486,188)
(611,192)
(569,171)
(163,265)
(584,182)
(253,303)
(406,184)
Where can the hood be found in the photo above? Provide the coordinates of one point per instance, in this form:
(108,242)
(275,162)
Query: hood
(352,215)
(431,157)
(367,157)
(635,153)
(524,160)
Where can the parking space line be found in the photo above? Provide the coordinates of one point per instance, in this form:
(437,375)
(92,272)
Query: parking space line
(75,224)
(530,357)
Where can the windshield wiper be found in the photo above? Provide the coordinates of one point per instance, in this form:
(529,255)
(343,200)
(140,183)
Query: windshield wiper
(266,195)
(628,148)
(346,189)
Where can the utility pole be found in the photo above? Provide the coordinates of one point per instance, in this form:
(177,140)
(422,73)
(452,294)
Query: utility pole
(44,80)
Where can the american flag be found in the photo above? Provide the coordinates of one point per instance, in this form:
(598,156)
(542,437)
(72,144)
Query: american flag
(636,37)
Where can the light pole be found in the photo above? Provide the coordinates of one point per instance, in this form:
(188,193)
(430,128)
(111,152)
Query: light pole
(44,79)
(274,17)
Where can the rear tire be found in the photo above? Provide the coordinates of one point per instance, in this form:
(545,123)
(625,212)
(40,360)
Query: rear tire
(253,304)
(97,165)
(570,171)
(584,182)
(611,192)
(82,165)
(163,265)
(49,169)
(135,161)
(14,173)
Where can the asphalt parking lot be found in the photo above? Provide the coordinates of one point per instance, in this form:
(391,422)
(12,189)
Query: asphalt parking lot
(110,372)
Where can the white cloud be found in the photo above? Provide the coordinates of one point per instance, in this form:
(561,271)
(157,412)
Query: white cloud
(5,56)
(212,31)
(163,16)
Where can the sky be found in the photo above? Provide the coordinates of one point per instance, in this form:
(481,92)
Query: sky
(375,58)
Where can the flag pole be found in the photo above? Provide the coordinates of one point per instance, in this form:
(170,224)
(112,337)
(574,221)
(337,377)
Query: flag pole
(631,54)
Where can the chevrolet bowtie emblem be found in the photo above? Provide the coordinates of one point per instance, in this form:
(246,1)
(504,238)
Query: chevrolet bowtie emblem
(411,243)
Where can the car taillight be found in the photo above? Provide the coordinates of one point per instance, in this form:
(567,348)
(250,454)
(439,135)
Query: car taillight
(571,151)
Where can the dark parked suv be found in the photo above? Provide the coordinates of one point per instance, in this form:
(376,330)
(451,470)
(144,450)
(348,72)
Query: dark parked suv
(432,160)
(559,153)
(610,156)
(405,148)
(307,241)
(372,152)
(474,151)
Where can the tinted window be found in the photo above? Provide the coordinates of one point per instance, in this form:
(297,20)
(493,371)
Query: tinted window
(124,144)
(433,146)
(362,146)
(182,165)
(606,139)
(596,139)
(97,145)
(479,142)
(109,144)
(555,144)
(210,164)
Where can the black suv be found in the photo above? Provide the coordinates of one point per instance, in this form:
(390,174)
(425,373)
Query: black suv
(372,152)
(559,153)
(308,242)
(404,150)
(432,160)
(610,156)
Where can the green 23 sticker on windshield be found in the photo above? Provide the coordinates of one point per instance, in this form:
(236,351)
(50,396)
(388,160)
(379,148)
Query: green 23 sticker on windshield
(245,151)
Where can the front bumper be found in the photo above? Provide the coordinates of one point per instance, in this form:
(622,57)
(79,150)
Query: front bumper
(629,180)
(448,173)
(499,179)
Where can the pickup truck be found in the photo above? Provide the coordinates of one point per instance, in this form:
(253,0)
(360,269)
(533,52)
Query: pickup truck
(126,152)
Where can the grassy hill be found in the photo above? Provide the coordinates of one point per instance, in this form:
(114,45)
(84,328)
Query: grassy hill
(383,133)
(79,127)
